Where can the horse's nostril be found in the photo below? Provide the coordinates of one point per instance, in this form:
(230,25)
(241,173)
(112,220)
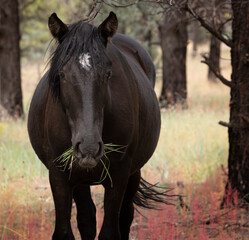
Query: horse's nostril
(77,150)
(77,146)
(101,150)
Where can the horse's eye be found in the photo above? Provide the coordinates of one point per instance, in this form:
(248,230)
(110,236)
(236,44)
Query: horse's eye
(108,75)
(61,75)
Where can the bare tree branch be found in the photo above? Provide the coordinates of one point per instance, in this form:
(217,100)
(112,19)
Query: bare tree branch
(184,5)
(119,5)
(94,10)
(98,4)
(224,124)
(213,31)
(217,73)
(222,25)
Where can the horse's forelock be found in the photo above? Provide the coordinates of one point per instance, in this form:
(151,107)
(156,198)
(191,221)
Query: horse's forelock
(81,38)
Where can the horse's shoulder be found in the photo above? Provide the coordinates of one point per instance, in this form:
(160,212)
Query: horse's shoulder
(39,99)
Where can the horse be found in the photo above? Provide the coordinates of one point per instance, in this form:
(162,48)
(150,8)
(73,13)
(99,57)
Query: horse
(99,89)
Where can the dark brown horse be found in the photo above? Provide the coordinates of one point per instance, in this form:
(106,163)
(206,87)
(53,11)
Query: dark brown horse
(98,90)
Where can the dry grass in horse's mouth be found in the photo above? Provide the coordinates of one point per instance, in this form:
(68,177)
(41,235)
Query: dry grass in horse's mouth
(67,158)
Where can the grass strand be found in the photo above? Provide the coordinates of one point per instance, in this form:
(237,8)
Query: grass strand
(67,158)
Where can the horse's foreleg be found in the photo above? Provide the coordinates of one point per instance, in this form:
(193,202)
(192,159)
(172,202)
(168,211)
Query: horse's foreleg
(62,195)
(127,209)
(112,205)
(86,212)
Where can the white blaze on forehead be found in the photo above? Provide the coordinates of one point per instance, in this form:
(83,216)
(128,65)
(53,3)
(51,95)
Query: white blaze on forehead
(84,60)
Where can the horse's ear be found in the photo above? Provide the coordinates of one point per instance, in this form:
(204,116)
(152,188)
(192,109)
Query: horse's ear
(57,28)
(109,27)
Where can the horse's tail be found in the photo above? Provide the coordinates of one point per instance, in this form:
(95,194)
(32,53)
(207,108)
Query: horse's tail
(149,195)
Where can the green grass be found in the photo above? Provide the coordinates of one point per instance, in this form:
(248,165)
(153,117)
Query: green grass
(18,159)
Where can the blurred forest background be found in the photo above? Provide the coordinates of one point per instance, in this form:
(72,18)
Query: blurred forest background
(200,49)
(165,29)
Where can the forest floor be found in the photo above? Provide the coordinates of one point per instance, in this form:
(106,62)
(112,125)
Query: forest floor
(191,158)
(28,213)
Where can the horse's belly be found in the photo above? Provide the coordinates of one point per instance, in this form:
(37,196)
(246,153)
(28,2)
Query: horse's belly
(149,130)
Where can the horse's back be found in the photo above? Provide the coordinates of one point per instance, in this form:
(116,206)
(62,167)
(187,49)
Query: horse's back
(134,50)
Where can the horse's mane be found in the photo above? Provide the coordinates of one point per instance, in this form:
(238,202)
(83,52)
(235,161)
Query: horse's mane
(81,37)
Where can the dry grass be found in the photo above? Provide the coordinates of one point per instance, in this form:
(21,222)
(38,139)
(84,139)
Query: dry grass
(191,149)
(192,143)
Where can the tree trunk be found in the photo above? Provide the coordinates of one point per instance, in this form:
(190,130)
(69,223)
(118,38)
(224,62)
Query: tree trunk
(195,29)
(173,34)
(214,58)
(10,79)
(238,161)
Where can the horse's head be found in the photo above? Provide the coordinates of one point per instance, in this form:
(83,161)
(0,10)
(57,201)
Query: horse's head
(79,75)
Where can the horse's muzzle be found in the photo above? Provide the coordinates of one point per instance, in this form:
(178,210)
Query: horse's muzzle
(88,153)
(87,162)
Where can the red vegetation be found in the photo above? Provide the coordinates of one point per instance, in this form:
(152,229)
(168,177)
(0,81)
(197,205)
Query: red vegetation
(198,216)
